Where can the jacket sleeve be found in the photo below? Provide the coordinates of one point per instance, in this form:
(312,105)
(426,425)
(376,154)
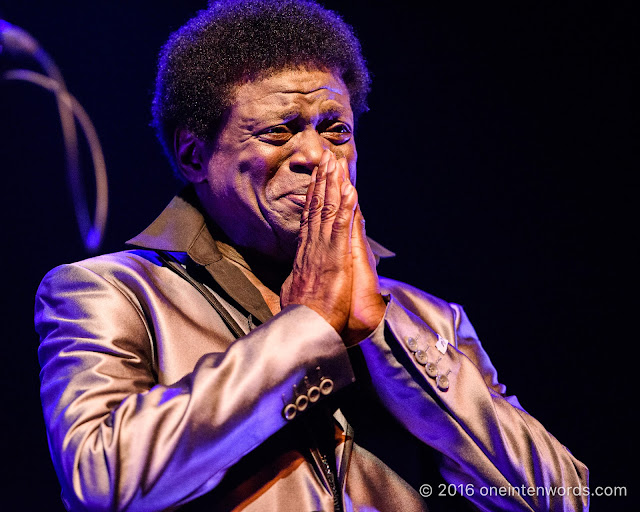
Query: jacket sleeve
(496,454)
(118,439)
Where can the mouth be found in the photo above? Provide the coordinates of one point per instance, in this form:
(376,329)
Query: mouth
(297,198)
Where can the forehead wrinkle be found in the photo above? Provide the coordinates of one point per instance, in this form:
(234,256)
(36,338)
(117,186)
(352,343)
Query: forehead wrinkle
(301,93)
(291,113)
(255,107)
(321,88)
(290,103)
(310,97)
(292,82)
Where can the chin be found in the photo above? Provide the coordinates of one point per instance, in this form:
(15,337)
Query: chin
(281,240)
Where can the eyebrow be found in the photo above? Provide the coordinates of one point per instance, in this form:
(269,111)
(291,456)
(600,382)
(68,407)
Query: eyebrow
(290,114)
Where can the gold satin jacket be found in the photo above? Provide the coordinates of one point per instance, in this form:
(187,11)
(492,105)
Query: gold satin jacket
(151,403)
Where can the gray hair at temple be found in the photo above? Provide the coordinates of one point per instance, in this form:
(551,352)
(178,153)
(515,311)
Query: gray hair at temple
(235,41)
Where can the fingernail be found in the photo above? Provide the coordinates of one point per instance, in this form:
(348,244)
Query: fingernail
(325,157)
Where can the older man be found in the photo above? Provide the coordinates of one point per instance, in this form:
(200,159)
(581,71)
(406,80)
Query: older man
(246,356)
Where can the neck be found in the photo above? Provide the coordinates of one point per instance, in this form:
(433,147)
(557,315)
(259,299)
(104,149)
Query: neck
(272,273)
(269,271)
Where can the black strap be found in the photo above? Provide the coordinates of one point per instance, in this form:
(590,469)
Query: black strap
(173,264)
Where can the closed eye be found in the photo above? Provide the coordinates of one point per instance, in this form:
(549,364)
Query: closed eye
(337,133)
(276,135)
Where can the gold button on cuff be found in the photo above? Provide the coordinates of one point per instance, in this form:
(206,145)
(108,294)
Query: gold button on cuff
(289,412)
(313,394)
(326,386)
(301,402)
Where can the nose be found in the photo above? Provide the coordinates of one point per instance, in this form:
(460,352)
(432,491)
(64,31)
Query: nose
(308,149)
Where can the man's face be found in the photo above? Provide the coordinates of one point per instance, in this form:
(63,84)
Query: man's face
(259,168)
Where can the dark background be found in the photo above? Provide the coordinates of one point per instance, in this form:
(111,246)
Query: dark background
(495,161)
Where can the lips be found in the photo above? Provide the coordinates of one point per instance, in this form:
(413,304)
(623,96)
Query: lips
(298,195)
(297,198)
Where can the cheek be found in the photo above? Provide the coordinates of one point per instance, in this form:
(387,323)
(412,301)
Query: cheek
(252,167)
(278,183)
(266,173)
(253,172)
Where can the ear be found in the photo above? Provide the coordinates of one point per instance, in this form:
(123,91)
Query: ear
(191,155)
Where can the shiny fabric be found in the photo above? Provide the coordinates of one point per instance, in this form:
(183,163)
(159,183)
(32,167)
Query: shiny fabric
(150,403)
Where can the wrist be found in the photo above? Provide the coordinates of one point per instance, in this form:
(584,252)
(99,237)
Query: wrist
(367,320)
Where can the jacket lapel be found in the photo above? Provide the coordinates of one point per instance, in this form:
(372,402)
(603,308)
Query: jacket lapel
(181,227)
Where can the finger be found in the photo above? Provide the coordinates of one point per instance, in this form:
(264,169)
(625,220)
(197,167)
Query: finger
(359,224)
(343,223)
(317,195)
(360,244)
(345,169)
(304,217)
(332,199)
(346,191)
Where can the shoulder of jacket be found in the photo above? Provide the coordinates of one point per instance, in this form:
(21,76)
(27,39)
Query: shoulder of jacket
(131,259)
(401,291)
(117,267)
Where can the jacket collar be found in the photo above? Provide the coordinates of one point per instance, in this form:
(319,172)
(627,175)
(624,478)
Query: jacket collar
(181,227)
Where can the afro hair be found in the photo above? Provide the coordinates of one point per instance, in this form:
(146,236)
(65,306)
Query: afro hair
(235,41)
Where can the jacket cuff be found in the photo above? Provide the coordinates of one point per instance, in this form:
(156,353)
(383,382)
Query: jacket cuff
(407,354)
(322,376)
